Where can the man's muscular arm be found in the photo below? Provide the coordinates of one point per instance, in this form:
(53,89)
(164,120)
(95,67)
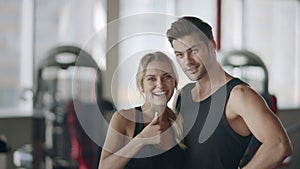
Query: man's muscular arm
(264,125)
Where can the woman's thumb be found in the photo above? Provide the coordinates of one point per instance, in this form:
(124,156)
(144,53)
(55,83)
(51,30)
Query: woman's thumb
(155,119)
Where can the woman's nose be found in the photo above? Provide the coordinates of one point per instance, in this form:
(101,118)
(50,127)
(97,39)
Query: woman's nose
(159,82)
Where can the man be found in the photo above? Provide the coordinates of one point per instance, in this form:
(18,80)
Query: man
(229,112)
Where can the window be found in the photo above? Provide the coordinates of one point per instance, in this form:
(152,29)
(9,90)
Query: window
(271,30)
(30,29)
(71,23)
(16,52)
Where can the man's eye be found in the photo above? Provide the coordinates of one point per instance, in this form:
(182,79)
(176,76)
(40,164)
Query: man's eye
(179,55)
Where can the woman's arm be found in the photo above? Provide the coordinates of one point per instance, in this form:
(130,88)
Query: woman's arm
(115,154)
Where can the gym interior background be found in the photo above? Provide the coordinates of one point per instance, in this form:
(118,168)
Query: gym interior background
(113,33)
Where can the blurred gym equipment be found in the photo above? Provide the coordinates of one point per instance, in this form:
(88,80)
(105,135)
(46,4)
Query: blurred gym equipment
(4,149)
(68,80)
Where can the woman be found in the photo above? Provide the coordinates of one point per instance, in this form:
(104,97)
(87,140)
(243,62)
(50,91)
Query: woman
(148,136)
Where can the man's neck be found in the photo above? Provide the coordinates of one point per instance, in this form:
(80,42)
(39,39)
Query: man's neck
(209,83)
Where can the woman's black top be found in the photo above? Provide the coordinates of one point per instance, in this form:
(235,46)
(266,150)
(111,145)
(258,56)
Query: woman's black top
(150,157)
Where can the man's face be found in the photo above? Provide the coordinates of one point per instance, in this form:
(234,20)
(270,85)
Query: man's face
(192,54)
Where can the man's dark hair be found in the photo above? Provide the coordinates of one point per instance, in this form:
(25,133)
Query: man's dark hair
(187,25)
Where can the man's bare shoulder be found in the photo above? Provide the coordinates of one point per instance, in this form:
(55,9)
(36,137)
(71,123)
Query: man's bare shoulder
(244,91)
(245,100)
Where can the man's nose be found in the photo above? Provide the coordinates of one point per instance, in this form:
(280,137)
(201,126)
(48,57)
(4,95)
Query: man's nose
(188,58)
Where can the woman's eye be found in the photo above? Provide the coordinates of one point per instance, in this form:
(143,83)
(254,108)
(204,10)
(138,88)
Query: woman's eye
(150,78)
(167,76)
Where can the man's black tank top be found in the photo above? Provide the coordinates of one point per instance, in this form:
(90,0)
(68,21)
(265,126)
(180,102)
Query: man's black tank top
(170,159)
(211,142)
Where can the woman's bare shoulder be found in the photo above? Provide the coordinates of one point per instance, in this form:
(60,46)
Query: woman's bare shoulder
(124,116)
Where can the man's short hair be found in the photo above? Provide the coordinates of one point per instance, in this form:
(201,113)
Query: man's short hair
(187,25)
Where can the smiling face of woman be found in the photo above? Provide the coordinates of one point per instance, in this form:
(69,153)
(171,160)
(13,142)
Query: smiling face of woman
(158,83)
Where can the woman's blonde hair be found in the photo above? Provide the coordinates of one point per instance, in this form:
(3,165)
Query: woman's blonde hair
(174,118)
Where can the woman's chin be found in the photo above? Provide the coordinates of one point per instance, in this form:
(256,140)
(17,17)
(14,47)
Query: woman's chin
(159,102)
